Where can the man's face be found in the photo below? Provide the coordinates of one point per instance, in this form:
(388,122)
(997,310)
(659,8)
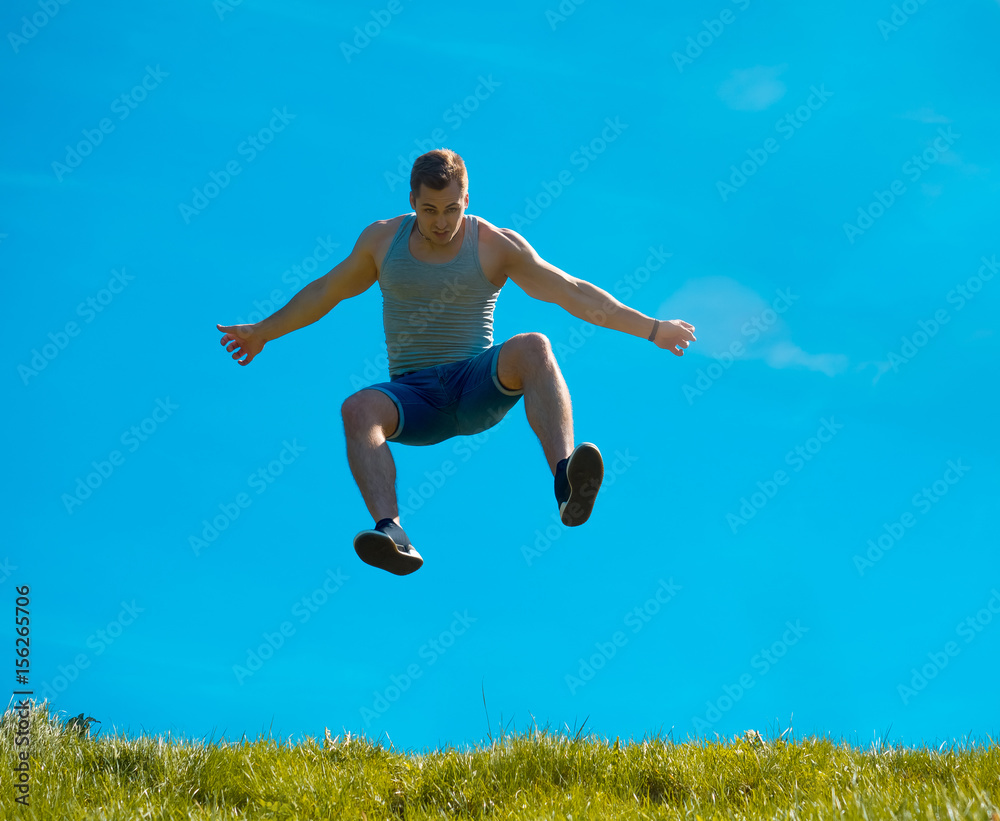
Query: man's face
(439,213)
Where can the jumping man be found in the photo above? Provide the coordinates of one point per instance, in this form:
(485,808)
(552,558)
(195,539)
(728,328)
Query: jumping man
(440,271)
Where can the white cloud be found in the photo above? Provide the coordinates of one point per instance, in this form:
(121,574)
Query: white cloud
(926,115)
(725,312)
(953,158)
(929,116)
(753,89)
(785,354)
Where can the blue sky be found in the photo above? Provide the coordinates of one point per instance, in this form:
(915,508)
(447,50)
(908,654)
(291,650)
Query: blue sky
(798,523)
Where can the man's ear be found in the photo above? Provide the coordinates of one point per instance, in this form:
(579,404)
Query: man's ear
(413,201)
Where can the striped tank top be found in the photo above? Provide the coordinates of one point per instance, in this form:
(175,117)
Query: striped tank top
(435,313)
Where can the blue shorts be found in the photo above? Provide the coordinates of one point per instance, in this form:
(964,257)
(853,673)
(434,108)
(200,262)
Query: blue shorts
(457,399)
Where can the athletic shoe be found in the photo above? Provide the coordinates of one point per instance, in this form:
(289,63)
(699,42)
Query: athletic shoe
(577,481)
(388,548)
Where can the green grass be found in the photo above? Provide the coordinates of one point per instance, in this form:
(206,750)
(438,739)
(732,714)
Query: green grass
(542,774)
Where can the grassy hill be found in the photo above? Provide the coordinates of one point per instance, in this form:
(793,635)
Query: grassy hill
(74,775)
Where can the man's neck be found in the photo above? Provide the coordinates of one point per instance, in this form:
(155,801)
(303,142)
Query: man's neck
(437,248)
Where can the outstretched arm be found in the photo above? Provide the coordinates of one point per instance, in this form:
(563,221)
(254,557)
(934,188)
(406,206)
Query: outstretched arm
(538,279)
(351,277)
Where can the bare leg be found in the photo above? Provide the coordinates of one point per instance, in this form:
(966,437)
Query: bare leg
(527,362)
(370,416)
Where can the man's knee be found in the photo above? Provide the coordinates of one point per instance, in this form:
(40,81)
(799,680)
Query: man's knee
(536,344)
(367,409)
(524,356)
(532,348)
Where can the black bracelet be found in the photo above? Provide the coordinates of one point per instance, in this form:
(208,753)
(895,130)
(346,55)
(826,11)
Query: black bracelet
(656,327)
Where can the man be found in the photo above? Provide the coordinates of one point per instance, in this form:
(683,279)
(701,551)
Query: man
(440,271)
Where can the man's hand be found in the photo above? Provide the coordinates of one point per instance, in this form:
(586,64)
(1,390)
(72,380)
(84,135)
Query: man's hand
(246,340)
(674,335)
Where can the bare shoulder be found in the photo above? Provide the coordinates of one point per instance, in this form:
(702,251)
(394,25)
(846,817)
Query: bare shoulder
(503,243)
(381,228)
(390,224)
(377,237)
(502,252)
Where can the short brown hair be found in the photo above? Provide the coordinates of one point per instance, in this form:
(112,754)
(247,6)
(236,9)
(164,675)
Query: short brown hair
(436,169)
